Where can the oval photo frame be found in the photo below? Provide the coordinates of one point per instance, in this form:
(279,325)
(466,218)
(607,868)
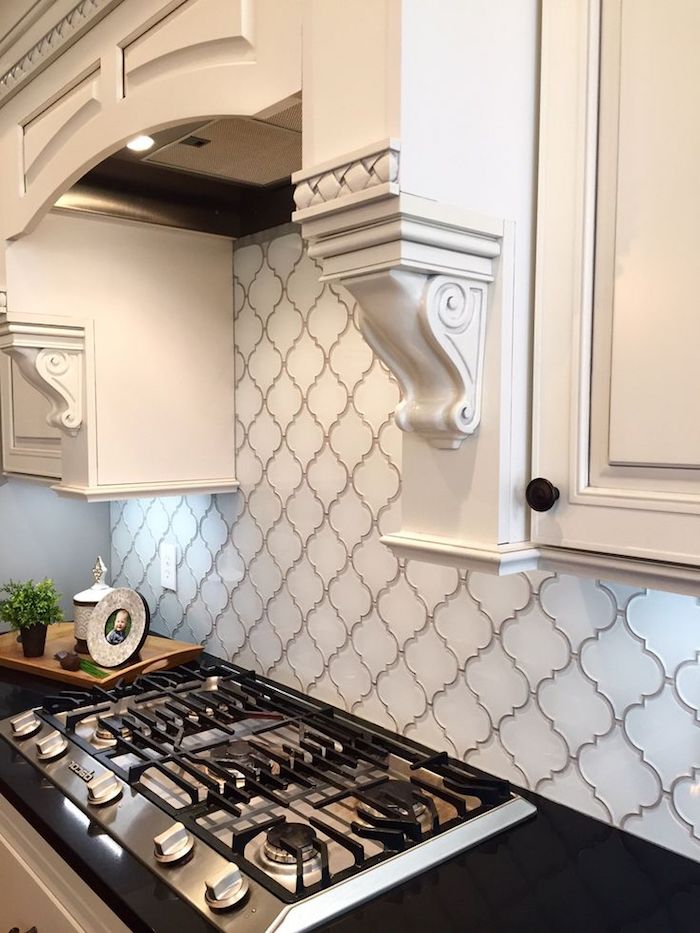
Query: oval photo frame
(118,627)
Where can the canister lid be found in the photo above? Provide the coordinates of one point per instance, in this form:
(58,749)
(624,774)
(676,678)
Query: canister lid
(97,591)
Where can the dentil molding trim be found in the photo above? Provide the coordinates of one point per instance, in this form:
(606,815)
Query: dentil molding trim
(60,37)
(421,273)
(50,357)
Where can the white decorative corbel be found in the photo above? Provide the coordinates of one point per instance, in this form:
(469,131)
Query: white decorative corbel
(429,331)
(50,357)
(421,273)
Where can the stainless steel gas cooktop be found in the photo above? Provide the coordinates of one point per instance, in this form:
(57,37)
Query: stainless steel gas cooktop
(264,809)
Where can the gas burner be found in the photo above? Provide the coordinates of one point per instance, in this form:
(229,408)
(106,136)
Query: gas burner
(105,738)
(235,755)
(394,798)
(298,836)
(239,750)
(239,757)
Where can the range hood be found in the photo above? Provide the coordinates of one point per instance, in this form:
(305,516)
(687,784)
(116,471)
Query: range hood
(228,176)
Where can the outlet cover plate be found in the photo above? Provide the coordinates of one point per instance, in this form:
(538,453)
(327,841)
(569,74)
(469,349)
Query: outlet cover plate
(168,566)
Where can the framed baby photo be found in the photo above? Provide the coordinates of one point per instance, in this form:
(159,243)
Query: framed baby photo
(118,627)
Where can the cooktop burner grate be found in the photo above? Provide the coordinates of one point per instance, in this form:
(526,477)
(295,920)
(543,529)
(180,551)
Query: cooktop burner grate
(297,794)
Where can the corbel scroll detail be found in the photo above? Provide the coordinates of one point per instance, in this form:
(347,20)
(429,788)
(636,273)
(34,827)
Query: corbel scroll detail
(453,315)
(50,357)
(422,274)
(61,371)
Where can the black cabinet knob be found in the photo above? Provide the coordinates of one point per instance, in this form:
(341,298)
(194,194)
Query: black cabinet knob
(541,494)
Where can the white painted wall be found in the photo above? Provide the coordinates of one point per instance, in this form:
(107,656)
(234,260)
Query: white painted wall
(42,535)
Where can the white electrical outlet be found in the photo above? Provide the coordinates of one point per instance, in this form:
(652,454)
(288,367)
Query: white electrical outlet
(168,566)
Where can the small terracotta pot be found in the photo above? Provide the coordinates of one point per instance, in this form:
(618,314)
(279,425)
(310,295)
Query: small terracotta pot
(33,640)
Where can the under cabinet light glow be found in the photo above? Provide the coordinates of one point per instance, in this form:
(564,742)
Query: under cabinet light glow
(140,143)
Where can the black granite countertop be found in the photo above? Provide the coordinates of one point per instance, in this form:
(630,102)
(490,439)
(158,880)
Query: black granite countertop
(561,871)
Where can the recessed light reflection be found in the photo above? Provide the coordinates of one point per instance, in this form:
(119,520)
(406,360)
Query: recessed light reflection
(140,143)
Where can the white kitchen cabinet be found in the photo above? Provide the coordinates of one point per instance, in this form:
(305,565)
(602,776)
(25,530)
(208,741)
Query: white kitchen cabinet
(31,447)
(617,330)
(39,890)
(128,329)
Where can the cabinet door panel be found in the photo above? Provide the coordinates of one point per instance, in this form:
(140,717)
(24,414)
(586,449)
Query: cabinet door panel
(40,890)
(30,446)
(645,321)
(617,331)
(25,903)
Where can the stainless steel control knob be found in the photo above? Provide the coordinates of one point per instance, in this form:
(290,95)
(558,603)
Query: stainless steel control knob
(51,746)
(25,725)
(104,789)
(173,845)
(226,889)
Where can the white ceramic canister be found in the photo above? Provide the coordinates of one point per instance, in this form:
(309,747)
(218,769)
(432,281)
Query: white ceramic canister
(84,603)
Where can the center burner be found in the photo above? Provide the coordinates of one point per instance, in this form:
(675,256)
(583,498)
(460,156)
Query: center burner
(239,750)
(242,761)
(285,840)
(237,755)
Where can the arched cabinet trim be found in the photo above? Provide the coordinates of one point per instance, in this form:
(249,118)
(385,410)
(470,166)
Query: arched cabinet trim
(184,61)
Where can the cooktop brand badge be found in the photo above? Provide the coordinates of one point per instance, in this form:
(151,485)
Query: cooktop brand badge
(82,773)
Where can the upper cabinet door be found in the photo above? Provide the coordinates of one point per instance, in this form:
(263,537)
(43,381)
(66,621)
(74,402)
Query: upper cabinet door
(617,340)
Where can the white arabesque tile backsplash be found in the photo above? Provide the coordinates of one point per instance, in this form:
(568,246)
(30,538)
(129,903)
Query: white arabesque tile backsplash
(588,692)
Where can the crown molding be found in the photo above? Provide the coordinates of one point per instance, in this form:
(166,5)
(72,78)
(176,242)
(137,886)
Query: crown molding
(17,26)
(55,42)
(421,272)
(50,357)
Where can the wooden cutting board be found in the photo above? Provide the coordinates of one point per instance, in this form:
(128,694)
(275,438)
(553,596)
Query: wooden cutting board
(157,654)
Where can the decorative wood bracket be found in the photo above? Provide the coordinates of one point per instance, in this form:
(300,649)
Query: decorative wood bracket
(429,331)
(50,357)
(421,272)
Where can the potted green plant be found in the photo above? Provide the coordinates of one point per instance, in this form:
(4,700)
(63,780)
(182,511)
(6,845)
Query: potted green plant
(28,608)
